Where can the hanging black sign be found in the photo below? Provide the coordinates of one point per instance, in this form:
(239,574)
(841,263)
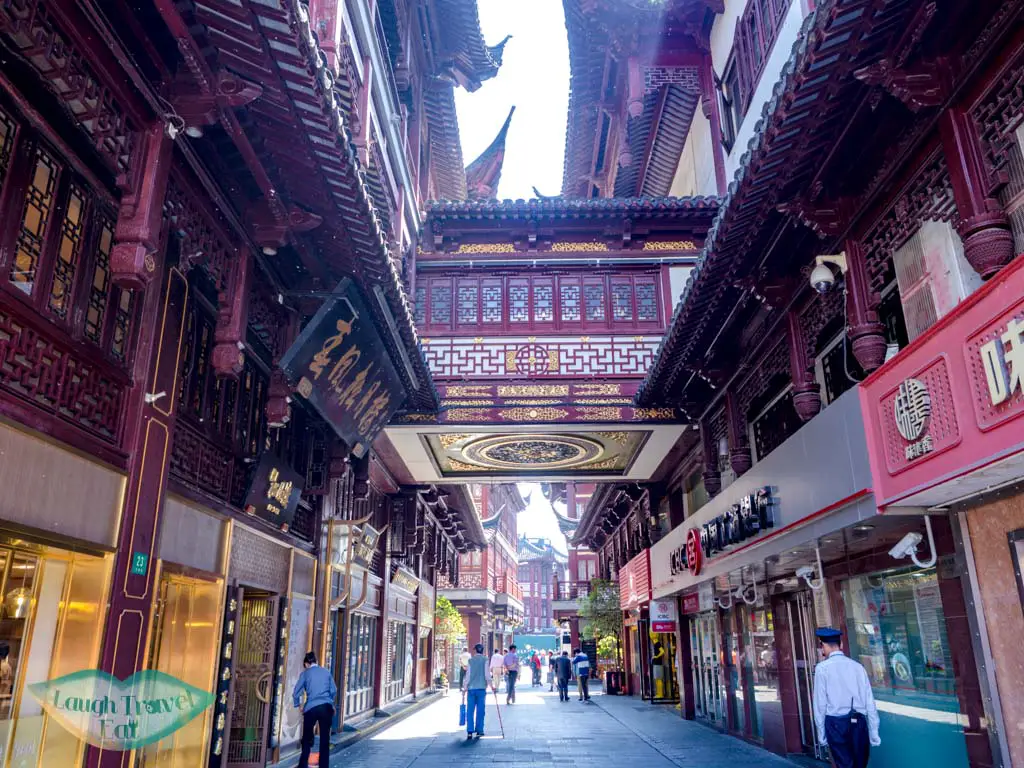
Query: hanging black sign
(340,365)
(274,491)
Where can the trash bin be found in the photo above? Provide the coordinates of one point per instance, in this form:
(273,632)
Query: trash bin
(611,683)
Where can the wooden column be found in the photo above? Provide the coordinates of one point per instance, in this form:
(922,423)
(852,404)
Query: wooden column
(806,390)
(739,446)
(983,226)
(149,430)
(866,333)
(712,476)
(710,106)
(232,318)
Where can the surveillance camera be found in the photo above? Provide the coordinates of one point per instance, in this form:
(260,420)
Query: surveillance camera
(906,546)
(822,278)
(805,572)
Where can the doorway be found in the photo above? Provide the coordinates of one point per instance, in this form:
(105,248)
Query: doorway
(801,629)
(705,661)
(253,685)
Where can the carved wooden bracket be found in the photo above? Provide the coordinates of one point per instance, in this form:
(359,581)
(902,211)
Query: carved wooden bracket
(271,232)
(806,391)
(279,393)
(825,218)
(232,318)
(739,447)
(137,232)
(920,85)
(198,107)
(711,475)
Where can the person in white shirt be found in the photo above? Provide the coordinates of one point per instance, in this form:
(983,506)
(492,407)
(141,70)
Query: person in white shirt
(497,668)
(844,706)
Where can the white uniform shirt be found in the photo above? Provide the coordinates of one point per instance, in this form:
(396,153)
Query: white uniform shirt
(839,682)
(497,663)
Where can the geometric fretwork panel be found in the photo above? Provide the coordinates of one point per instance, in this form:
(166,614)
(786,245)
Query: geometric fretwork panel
(540,356)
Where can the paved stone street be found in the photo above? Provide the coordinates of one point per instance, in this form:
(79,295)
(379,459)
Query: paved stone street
(611,732)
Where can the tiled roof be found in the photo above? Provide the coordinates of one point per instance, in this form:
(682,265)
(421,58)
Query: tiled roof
(810,102)
(470,61)
(445,147)
(299,125)
(564,208)
(484,173)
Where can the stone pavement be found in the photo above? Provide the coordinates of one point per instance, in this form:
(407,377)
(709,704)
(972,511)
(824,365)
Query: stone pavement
(611,732)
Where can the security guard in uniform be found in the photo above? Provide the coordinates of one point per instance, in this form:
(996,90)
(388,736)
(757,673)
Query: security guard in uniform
(844,707)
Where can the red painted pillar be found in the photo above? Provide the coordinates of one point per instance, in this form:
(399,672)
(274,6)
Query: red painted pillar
(867,334)
(739,446)
(709,97)
(712,476)
(149,426)
(806,390)
(984,228)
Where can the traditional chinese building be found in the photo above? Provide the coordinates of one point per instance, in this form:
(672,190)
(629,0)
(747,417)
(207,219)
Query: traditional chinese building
(539,561)
(487,593)
(188,190)
(845,344)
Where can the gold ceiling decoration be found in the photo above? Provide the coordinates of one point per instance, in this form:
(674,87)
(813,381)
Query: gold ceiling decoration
(533,451)
(531,402)
(612,463)
(622,438)
(670,245)
(533,414)
(486,248)
(450,403)
(579,248)
(654,413)
(605,413)
(471,390)
(461,466)
(449,439)
(532,390)
(604,400)
(592,390)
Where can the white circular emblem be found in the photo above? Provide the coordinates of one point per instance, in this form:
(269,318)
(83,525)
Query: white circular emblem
(912,409)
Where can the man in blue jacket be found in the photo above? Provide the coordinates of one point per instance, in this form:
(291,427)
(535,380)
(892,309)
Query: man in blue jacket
(581,666)
(320,690)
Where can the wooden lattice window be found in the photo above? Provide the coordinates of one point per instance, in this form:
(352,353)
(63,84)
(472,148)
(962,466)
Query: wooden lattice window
(519,301)
(594,301)
(570,299)
(441,303)
(492,301)
(56,238)
(468,302)
(756,32)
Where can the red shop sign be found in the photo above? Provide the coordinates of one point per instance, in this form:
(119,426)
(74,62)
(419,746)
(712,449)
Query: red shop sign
(691,603)
(694,551)
(995,367)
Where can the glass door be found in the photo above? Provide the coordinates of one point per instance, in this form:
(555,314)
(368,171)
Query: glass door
(801,629)
(254,678)
(705,654)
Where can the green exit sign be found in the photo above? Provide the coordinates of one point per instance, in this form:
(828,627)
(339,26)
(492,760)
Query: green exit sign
(140,563)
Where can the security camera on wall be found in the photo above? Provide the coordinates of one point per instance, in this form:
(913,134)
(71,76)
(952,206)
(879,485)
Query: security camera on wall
(907,546)
(823,276)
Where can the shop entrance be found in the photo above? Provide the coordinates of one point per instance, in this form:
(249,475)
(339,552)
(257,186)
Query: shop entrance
(184,643)
(705,664)
(664,683)
(253,686)
(801,630)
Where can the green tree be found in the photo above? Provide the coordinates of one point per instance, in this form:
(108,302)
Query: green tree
(600,613)
(447,621)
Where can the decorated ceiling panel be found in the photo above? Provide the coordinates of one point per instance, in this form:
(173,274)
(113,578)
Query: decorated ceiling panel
(522,454)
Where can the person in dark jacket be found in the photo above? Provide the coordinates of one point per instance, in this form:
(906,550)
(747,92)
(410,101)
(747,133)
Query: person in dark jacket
(563,671)
(320,690)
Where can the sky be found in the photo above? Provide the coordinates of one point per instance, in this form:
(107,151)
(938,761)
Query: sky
(534,77)
(537,521)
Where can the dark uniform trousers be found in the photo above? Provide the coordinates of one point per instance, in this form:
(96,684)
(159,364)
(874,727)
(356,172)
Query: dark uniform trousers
(848,742)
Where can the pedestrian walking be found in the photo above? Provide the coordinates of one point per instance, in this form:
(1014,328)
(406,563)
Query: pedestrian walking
(563,671)
(581,666)
(318,685)
(475,688)
(497,667)
(844,706)
(535,668)
(511,673)
(464,658)
(549,662)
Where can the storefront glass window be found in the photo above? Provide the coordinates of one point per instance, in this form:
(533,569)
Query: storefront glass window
(730,649)
(760,669)
(897,630)
(52,606)
(361,666)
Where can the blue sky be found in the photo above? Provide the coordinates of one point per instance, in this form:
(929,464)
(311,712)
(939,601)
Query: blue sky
(535,79)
